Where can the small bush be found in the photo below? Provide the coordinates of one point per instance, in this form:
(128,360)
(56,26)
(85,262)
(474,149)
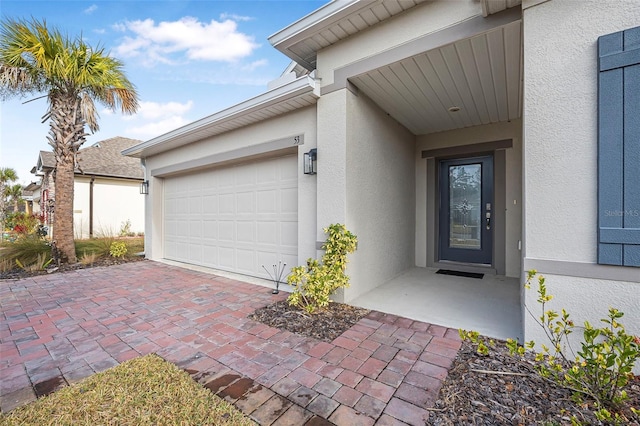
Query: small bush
(600,369)
(22,223)
(39,265)
(125,228)
(314,284)
(88,258)
(26,250)
(118,249)
(100,246)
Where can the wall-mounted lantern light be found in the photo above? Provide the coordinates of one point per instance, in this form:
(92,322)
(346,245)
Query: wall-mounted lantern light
(310,159)
(144,187)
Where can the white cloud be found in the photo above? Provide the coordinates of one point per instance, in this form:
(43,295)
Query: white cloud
(99,31)
(187,38)
(154,110)
(90,9)
(157,128)
(255,64)
(234,17)
(154,118)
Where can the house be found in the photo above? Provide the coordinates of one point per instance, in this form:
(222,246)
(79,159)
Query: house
(107,196)
(478,137)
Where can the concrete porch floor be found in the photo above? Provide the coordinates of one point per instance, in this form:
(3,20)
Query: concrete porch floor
(490,305)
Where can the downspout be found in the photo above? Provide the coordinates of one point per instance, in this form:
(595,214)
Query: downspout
(91,207)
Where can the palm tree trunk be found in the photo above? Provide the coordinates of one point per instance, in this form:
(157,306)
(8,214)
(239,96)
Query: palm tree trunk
(63,215)
(66,134)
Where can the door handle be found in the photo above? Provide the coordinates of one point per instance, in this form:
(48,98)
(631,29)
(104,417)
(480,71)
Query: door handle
(488,220)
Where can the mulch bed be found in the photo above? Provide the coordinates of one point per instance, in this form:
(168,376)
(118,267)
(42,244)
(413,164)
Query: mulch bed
(474,394)
(18,273)
(324,325)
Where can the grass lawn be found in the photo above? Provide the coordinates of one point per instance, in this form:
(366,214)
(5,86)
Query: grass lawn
(142,391)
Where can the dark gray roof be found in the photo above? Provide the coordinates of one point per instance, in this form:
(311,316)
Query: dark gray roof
(103,158)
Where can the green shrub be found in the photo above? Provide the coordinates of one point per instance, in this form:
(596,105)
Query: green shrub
(22,223)
(40,264)
(314,284)
(26,250)
(125,228)
(603,366)
(118,249)
(100,246)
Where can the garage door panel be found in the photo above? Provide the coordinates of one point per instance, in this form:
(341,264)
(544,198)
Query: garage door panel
(267,232)
(289,234)
(226,256)
(227,203)
(210,229)
(245,203)
(195,253)
(226,231)
(234,218)
(289,200)
(210,204)
(267,201)
(245,232)
(245,261)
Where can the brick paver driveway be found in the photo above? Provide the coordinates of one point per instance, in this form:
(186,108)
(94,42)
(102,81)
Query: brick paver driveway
(57,329)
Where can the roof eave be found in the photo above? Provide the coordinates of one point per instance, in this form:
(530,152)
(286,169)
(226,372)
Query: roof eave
(272,97)
(312,23)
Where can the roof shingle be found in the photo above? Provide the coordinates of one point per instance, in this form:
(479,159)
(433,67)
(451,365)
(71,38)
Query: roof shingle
(103,158)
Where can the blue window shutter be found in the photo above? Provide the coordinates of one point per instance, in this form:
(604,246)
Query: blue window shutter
(619,148)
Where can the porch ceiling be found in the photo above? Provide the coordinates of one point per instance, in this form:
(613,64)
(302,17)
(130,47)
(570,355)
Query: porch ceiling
(480,75)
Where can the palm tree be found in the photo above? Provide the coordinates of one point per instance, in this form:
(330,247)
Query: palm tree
(73,76)
(7,176)
(14,194)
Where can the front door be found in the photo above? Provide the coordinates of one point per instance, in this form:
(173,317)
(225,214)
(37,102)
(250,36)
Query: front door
(466,202)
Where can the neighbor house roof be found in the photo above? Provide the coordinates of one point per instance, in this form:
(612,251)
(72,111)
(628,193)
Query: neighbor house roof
(103,158)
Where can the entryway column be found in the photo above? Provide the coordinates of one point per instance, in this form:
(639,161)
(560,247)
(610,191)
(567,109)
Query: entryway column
(332,160)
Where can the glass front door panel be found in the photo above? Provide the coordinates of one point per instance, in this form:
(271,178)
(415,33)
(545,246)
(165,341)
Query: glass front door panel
(465,201)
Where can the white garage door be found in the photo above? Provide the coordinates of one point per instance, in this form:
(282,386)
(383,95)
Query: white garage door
(234,218)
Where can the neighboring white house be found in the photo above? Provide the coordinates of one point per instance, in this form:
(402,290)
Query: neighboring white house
(107,195)
(459,134)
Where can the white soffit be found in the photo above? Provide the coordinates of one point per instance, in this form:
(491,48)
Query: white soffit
(331,23)
(480,75)
(281,100)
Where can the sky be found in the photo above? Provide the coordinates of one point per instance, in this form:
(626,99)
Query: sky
(187,59)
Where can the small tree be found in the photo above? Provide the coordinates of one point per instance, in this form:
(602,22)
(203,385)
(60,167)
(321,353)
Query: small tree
(7,176)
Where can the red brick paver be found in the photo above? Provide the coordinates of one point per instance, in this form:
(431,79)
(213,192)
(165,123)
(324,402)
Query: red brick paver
(58,329)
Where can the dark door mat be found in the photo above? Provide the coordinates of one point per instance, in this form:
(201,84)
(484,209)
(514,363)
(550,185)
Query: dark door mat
(459,273)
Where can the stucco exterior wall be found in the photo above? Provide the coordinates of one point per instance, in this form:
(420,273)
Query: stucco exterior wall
(424,19)
(380,195)
(299,122)
(114,202)
(81,208)
(560,156)
(513,184)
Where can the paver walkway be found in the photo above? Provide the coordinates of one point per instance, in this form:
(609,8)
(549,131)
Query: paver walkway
(60,328)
